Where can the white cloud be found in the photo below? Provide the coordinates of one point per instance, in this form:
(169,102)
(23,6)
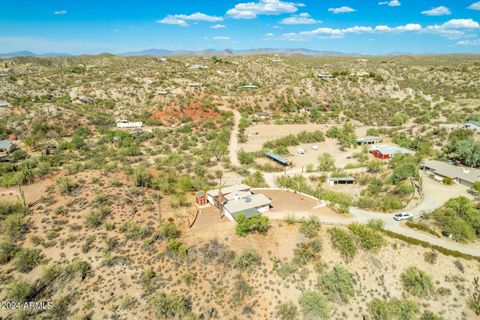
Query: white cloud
(221,38)
(218,26)
(302,18)
(181,19)
(339,33)
(461,24)
(438,11)
(392,3)
(343,9)
(474,6)
(475,42)
(269,35)
(250,10)
(60,12)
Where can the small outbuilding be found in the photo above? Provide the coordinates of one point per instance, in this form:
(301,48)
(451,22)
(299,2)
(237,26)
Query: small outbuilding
(369,140)
(277,158)
(325,76)
(341,180)
(263,115)
(201,198)
(249,86)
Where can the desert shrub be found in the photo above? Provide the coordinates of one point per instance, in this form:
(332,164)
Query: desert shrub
(247,260)
(367,237)
(403,309)
(67,186)
(82,268)
(341,200)
(167,306)
(241,289)
(306,252)
(343,242)
(27,259)
(395,308)
(246,225)
(474,302)
(285,269)
(133,231)
(430,316)
(313,305)
(430,257)
(376,224)
(337,284)
(417,282)
(286,311)
(215,251)
(177,247)
(310,227)
(7,251)
(13,226)
(20,290)
(169,230)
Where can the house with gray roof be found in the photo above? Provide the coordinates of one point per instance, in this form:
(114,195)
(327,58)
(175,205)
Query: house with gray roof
(440,170)
(239,199)
(472,124)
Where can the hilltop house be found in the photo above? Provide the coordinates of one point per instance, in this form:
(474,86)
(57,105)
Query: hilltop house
(239,199)
(472,124)
(440,170)
(249,86)
(383,151)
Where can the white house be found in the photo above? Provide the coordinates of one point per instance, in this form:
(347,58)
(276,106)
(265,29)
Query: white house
(238,199)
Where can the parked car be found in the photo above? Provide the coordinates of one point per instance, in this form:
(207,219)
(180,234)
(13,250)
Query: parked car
(446,234)
(301,151)
(314,147)
(402,216)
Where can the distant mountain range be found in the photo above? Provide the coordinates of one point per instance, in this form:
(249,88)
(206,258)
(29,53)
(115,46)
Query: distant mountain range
(207,52)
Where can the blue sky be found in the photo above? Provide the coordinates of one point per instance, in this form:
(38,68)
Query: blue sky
(360,26)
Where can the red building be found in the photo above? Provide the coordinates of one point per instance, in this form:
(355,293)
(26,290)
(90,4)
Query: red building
(201,198)
(386,152)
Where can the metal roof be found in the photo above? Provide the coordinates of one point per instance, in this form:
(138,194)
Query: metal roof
(247,213)
(277,157)
(384,149)
(473,122)
(5,144)
(451,171)
(341,179)
(369,139)
(227,190)
(253,201)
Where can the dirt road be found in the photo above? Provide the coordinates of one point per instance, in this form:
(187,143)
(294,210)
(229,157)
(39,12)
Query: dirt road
(233,144)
